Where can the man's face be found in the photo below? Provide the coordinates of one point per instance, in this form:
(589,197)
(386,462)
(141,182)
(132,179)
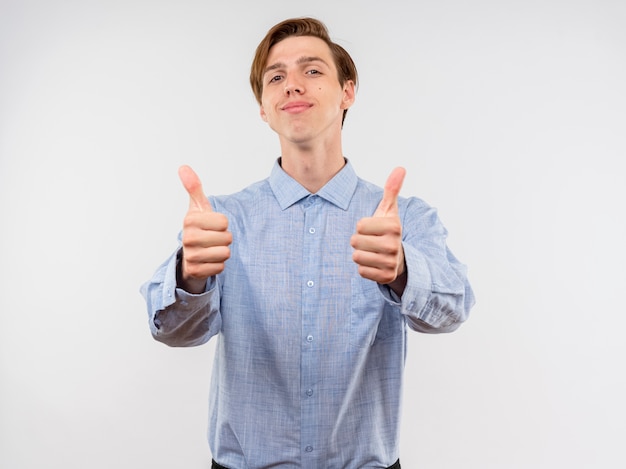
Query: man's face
(302,98)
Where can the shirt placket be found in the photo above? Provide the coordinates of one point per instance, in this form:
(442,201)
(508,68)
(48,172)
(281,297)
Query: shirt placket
(312,338)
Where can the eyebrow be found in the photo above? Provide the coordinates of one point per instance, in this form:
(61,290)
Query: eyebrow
(300,61)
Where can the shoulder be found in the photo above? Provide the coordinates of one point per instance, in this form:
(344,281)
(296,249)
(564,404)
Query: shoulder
(249,198)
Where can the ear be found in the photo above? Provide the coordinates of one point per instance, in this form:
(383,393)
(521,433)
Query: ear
(349,94)
(262,113)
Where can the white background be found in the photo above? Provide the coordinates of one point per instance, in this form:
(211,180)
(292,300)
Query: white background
(510,117)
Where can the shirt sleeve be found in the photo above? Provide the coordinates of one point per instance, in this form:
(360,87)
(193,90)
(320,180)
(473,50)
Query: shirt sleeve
(437,297)
(176,317)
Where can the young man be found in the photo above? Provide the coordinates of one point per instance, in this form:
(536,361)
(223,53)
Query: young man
(309,278)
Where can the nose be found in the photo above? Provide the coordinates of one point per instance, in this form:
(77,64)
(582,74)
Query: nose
(291,86)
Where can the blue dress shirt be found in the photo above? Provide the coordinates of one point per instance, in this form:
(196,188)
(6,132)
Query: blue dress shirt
(309,362)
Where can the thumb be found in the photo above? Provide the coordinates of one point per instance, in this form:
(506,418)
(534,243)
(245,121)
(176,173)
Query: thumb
(389,203)
(193,186)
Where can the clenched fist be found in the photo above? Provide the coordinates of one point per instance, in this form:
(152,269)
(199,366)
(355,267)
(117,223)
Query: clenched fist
(206,238)
(377,242)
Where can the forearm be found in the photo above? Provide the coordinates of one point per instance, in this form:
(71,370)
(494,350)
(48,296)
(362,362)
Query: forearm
(437,297)
(176,317)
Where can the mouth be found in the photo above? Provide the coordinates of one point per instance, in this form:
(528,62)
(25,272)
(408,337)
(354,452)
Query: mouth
(296,107)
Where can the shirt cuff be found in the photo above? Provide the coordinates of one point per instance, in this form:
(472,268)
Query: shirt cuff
(418,283)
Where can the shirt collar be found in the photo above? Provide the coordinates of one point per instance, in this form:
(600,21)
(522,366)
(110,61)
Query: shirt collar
(338,191)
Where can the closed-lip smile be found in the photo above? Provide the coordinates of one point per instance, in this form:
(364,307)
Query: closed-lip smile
(295,107)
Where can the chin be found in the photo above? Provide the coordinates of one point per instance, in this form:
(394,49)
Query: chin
(298,136)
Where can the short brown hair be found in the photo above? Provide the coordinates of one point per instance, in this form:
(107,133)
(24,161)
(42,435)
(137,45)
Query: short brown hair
(346,69)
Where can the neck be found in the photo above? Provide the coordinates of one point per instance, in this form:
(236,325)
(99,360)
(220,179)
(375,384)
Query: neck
(312,166)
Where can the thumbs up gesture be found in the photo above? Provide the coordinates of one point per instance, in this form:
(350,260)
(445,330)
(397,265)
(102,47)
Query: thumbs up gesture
(377,242)
(205,239)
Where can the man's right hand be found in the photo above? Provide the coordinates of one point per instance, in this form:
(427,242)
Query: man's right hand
(206,238)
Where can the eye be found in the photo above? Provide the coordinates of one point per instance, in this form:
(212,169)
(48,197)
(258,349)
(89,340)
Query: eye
(275,78)
(313,71)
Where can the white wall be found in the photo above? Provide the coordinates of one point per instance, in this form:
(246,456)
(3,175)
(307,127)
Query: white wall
(510,118)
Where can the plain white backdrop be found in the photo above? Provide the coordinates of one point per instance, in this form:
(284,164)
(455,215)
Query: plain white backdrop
(510,117)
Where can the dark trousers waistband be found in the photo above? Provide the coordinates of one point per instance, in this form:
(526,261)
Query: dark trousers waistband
(215,465)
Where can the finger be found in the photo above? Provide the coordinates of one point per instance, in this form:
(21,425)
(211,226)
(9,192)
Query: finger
(377,275)
(204,221)
(378,226)
(193,186)
(389,203)
(206,238)
(212,255)
(375,244)
(374,260)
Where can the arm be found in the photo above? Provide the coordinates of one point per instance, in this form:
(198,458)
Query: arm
(183,295)
(405,252)
(437,296)
(176,317)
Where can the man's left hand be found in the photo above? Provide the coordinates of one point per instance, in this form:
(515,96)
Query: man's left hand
(377,242)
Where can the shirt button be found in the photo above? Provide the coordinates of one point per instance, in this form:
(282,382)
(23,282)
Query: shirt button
(308,449)
(312,230)
(310,283)
(309,392)
(309,338)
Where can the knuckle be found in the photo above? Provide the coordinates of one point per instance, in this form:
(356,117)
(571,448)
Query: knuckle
(188,238)
(220,221)
(216,268)
(192,270)
(385,276)
(191,258)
